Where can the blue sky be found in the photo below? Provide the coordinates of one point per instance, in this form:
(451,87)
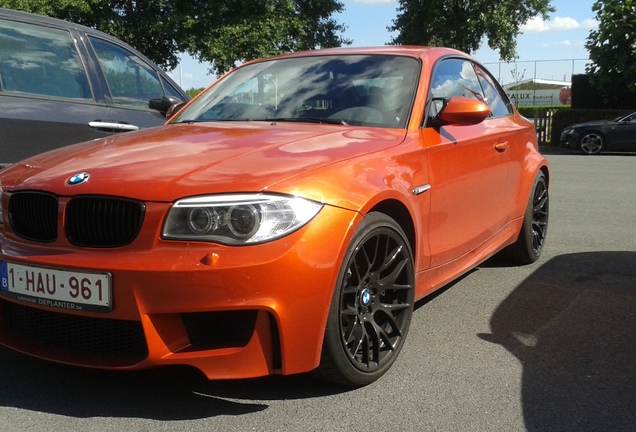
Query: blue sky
(552,49)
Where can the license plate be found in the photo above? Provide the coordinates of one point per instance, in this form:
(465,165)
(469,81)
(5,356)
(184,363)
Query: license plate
(64,289)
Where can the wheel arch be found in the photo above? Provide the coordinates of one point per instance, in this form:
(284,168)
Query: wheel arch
(397,211)
(546,172)
(593,130)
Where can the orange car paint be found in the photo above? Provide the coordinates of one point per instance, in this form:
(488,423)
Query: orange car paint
(473,209)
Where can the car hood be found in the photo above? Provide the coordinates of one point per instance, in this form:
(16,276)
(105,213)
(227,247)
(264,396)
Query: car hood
(591,123)
(169,162)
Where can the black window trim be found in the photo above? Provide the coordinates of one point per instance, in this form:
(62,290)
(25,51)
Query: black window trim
(429,97)
(162,77)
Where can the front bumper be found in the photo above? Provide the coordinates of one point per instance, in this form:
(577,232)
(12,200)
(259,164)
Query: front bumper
(232,312)
(569,140)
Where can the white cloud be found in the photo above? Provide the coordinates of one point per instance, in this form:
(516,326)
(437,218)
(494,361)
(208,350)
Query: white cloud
(566,43)
(589,23)
(537,25)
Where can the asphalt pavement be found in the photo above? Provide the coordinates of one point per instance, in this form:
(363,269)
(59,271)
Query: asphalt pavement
(545,347)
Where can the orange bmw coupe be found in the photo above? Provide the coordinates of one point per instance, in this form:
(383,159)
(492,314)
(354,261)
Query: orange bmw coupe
(284,221)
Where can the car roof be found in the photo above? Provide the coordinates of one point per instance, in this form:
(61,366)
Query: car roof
(411,50)
(432,53)
(53,22)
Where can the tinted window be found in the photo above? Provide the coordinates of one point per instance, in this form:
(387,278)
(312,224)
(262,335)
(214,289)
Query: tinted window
(496,99)
(453,77)
(130,80)
(41,61)
(170,91)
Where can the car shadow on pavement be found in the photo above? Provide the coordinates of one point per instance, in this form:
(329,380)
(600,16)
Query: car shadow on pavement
(165,394)
(162,394)
(168,393)
(572,325)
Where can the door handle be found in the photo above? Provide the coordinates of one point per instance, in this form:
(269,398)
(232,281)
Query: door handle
(502,146)
(114,127)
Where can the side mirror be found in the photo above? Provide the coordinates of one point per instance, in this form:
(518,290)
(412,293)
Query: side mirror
(163,104)
(462,111)
(174,109)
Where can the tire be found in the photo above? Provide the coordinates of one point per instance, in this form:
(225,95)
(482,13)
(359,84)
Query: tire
(529,245)
(591,143)
(372,305)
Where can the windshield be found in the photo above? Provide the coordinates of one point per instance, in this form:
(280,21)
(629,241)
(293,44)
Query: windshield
(629,118)
(368,90)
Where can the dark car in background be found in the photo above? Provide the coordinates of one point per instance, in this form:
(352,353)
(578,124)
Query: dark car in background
(602,135)
(62,83)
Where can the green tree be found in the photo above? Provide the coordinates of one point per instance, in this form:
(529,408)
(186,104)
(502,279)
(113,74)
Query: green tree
(462,24)
(222,32)
(612,49)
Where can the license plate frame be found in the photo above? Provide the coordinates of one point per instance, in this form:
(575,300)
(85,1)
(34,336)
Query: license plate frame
(75,290)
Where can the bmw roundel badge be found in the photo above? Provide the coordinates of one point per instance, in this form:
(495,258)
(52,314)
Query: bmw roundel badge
(365,297)
(78,178)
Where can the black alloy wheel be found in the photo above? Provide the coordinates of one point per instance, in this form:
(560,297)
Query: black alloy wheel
(529,245)
(540,213)
(372,305)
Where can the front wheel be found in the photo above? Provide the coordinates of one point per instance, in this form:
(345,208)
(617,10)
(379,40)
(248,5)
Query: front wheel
(592,143)
(372,304)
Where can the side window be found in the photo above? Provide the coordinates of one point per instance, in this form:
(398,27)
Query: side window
(453,77)
(496,99)
(40,61)
(170,91)
(130,80)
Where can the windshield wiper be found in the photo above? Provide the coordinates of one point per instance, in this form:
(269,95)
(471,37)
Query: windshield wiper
(190,121)
(274,119)
(216,120)
(309,120)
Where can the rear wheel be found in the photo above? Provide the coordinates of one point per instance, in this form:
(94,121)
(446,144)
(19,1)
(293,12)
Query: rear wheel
(372,304)
(592,143)
(528,247)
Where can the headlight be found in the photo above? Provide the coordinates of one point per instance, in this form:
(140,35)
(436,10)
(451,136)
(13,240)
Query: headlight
(567,131)
(238,219)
